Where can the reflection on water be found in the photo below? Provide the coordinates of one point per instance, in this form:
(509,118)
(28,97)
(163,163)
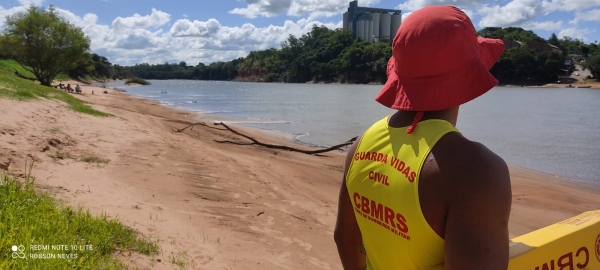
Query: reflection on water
(552,130)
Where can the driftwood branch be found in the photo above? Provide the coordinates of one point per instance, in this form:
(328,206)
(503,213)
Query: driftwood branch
(191,127)
(282,147)
(236,143)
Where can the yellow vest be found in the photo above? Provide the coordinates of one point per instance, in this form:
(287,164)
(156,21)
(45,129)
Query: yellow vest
(382,182)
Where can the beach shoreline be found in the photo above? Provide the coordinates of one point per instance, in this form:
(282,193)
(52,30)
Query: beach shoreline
(220,206)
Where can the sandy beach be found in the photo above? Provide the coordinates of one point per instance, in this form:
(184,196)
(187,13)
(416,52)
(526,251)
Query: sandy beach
(217,206)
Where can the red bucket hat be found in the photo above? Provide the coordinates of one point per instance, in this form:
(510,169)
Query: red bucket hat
(438,62)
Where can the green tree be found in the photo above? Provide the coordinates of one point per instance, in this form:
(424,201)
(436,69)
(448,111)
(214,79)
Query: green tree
(84,66)
(553,40)
(44,43)
(593,64)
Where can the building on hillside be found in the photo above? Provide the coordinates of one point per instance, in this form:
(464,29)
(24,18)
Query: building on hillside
(537,46)
(542,46)
(372,24)
(509,44)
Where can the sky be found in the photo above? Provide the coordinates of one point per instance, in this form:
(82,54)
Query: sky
(206,31)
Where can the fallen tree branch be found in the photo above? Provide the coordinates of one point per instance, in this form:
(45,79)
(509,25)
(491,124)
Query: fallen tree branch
(195,124)
(236,143)
(282,147)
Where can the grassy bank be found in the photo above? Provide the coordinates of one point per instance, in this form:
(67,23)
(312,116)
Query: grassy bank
(17,88)
(31,219)
(12,66)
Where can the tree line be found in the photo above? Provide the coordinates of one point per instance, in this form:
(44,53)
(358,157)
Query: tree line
(321,55)
(46,44)
(331,55)
(527,64)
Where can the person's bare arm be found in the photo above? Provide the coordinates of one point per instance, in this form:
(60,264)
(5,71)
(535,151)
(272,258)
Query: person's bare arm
(347,233)
(476,235)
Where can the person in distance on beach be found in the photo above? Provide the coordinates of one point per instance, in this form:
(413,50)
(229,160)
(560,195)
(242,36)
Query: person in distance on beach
(416,193)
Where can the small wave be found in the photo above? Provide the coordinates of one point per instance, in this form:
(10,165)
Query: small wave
(298,136)
(211,112)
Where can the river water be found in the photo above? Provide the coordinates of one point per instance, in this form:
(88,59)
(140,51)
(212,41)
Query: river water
(551,130)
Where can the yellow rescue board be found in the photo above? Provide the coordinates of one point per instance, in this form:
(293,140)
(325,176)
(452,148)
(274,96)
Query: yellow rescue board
(567,245)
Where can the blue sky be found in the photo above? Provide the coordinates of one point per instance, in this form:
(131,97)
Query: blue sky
(153,31)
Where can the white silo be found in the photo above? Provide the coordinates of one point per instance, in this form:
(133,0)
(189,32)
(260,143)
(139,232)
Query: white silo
(370,31)
(376,20)
(396,20)
(366,30)
(360,29)
(385,26)
(346,20)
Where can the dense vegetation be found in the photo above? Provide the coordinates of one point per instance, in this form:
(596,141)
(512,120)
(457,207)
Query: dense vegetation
(137,81)
(44,43)
(524,65)
(322,55)
(47,47)
(325,55)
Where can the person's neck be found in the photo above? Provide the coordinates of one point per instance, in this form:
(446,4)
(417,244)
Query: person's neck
(405,118)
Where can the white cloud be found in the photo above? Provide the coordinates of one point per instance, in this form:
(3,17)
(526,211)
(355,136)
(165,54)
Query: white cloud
(412,5)
(267,8)
(186,27)
(7,12)
(315,8)
(405,15)
(547,25)
(31,2)
(468,12)
(569,5)
(515,13)
(590,15)
(141,38)
(575,33)
(156,19)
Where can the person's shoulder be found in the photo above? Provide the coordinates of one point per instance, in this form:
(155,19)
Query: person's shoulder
(470,163)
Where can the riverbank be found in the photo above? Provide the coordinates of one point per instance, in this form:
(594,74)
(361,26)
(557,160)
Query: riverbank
(583,84)
(213,205)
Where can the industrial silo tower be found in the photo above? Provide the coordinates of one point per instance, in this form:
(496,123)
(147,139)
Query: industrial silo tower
(372,24)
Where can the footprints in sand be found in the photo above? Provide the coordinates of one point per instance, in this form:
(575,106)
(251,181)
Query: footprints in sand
(303,244)
(270,221)
(252,195)
(290,241)
(282,260)
(318,263)
(268,231)
(267,228)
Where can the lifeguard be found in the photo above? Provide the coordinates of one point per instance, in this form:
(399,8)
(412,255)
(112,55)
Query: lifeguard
(416,192)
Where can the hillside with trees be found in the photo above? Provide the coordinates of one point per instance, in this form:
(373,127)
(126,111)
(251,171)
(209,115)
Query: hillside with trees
(526,64)
(44,42)
(47,46)
(326,55)
(322,55)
